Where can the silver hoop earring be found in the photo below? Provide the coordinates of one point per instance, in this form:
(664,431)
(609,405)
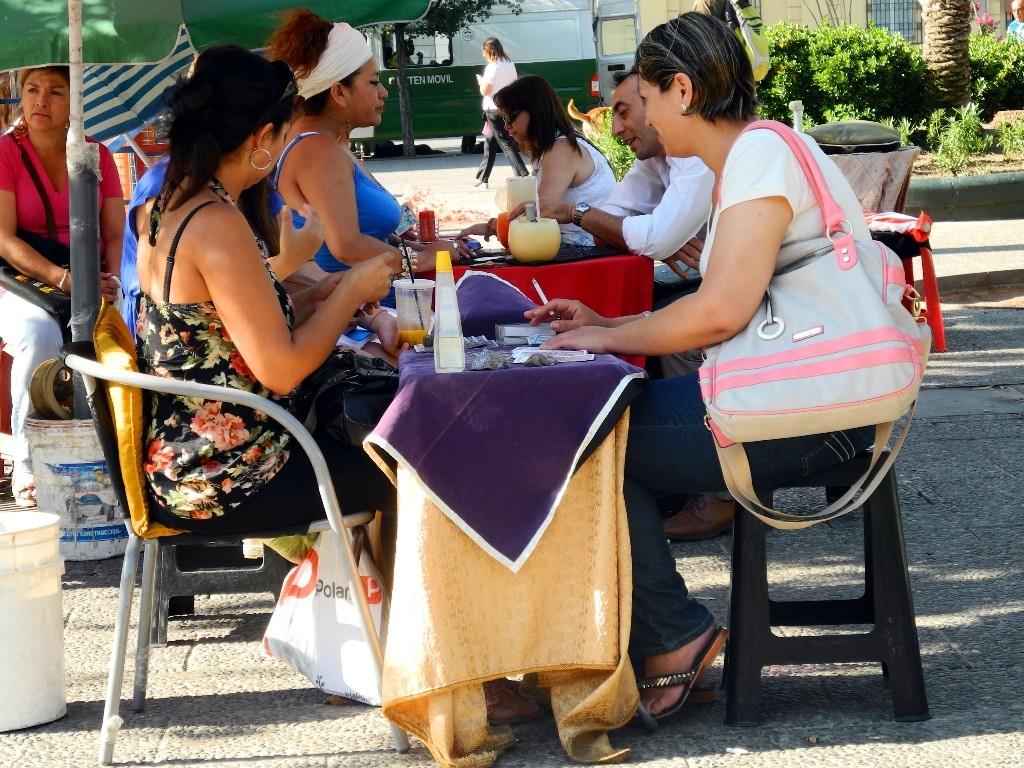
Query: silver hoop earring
(270,159)
(683,108)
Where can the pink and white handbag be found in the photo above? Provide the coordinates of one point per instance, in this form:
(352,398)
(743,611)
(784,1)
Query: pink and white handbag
(831,348)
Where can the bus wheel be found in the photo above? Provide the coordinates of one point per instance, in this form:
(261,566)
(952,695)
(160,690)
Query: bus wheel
(468,144)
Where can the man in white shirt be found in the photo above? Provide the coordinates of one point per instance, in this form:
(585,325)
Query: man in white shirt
(656,210)
(661,204)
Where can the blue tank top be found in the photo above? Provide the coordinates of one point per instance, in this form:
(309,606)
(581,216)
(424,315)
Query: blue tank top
(378,213)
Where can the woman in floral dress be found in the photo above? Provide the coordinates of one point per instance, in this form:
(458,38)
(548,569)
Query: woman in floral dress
(212,311)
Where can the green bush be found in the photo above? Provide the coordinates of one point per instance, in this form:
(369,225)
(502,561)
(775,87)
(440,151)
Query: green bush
(1011,139)
(961,138)
(997,74)
(842,73)
(620,157)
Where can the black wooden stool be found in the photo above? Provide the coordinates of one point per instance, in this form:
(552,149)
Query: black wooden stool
(195,566)
(886,606)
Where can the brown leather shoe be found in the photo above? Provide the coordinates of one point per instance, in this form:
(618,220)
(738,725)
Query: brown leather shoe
(702,517)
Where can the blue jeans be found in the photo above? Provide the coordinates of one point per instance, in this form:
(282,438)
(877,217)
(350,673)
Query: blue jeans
(32,337)
(671,451)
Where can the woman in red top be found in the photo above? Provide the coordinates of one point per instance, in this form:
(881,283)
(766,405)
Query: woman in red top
(29,333)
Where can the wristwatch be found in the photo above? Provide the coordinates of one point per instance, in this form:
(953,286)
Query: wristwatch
(578,211)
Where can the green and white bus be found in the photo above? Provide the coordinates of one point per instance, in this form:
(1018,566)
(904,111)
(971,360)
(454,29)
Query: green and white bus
(550,38)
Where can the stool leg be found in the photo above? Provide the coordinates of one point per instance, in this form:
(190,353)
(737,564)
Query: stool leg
(894,607)
(164,561)
(931,300)
(748,620)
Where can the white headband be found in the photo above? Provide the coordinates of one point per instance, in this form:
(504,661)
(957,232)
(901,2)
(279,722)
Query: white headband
(346,52)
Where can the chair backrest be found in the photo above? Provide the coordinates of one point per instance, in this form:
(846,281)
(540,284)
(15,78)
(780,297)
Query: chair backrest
(117,415)
(879,179)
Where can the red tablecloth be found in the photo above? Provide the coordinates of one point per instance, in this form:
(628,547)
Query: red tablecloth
(612,285)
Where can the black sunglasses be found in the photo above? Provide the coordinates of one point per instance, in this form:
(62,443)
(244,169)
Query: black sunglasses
(511,118)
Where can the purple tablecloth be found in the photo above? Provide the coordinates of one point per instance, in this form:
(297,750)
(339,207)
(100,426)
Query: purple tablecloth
(495,449)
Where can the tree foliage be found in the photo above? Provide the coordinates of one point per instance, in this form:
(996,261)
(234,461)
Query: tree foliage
(842,73)
(447,17)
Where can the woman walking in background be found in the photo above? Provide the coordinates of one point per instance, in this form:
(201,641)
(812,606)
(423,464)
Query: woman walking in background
(499,72)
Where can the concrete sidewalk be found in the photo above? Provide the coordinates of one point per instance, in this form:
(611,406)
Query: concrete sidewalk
(214,699)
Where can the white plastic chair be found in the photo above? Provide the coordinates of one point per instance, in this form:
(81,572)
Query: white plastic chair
(81,357)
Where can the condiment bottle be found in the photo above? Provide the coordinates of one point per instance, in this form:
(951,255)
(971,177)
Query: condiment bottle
(427,227)
(449,348)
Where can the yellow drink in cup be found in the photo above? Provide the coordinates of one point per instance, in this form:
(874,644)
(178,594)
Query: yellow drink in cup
(412,336)
(412,300)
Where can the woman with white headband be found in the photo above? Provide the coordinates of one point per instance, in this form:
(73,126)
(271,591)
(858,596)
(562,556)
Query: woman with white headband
(339,83)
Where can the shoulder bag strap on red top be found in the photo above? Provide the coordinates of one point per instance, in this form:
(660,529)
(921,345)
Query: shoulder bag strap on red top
(51,222)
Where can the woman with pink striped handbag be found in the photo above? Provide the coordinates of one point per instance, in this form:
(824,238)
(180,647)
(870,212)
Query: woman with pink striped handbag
(808,346)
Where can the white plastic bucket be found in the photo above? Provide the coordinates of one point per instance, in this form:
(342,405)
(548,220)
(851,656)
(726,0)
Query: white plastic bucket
(72,482)
(32,630)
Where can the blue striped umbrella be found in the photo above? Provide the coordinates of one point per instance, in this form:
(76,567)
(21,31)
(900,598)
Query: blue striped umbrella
(121,99)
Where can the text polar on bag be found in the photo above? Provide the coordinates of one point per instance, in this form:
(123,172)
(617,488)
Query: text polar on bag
(315,625)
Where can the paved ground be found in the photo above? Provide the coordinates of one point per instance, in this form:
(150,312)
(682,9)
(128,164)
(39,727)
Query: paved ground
(214,700)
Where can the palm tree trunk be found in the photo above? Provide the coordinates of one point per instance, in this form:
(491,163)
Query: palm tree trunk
(947,28)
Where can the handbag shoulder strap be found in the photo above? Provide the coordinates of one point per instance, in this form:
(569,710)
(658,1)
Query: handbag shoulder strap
(837,226)
(51,222)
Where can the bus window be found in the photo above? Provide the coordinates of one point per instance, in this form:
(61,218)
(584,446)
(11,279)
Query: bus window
(618,36)
(421,51)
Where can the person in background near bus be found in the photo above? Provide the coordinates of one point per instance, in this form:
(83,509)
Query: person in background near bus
(569,168)
(499,72)
(34,197)
(340,90)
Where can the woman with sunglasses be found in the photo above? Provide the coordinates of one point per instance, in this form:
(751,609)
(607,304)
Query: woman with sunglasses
(212,311)
(568,167)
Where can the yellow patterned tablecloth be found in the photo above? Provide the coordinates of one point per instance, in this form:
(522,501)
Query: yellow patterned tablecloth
(459,617)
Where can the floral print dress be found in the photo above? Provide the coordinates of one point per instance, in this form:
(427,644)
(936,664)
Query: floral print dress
(203,458)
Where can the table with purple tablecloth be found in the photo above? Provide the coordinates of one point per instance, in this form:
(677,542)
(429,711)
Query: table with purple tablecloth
(509,562)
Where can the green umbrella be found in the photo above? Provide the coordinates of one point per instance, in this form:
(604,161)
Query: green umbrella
(39,32)
(35,32)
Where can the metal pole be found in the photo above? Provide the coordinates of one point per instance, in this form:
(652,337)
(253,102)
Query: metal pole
(83,193)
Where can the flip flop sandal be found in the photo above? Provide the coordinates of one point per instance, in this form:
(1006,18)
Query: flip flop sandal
(686,679)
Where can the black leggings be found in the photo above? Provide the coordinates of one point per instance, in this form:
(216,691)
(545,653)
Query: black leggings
(292,498)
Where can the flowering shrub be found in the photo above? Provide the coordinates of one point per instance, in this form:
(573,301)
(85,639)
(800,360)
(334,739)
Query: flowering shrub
(986,24)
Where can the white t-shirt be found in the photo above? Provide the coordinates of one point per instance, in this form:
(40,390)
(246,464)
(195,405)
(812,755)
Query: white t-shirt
(497,74)
(761,164)
(665,202)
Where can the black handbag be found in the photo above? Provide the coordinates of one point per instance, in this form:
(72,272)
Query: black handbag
(346,396)
(52,299)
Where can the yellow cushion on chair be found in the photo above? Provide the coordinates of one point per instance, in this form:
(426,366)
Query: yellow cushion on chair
(116,348)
